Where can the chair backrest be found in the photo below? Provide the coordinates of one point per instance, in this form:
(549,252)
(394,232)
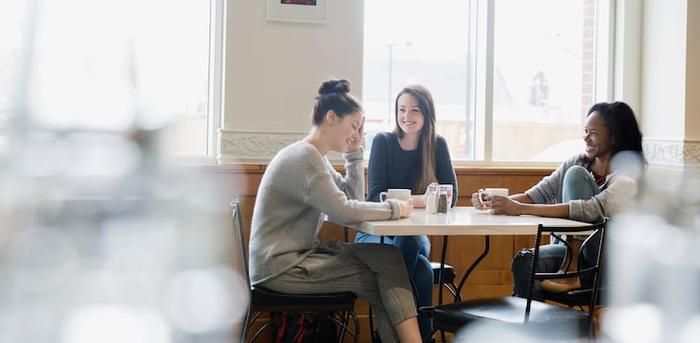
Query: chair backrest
(239,235)
(590,256)
(597,236)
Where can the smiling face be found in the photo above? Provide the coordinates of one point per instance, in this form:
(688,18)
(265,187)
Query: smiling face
(345,130)
(599,141)
(409,115)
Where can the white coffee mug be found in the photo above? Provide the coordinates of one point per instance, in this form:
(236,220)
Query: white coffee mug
(395,193)
(489,192)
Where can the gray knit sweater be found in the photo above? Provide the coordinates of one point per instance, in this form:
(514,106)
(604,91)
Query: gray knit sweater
(299,185)
(617,192)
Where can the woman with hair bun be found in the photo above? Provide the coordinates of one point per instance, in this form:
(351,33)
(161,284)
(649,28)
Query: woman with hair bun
(298,187)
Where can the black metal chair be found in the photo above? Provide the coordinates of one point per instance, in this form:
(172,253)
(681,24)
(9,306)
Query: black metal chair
(448,277)
(547,321)
(448,282)
(337,307)
(581,297)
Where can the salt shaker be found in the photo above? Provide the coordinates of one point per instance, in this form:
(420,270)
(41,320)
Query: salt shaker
(431,200)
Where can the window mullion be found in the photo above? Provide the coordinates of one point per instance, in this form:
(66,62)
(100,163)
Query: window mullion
(216,71)
(488,86)
(484,71)
(605,51)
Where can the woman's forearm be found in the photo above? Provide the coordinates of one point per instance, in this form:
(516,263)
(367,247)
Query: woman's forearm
(546,210)
(354,179)
(522,198)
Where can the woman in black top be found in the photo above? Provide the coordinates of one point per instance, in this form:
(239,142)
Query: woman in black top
(411,157)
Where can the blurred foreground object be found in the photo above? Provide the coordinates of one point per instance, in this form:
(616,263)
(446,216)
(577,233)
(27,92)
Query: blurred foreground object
(100,242)
(654,263)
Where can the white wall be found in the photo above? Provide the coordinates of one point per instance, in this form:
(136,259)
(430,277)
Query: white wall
(663,69)
(670,86)
(273,71)
(628,45)
(692,94)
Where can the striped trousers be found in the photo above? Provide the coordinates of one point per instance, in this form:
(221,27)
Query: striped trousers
(374,272)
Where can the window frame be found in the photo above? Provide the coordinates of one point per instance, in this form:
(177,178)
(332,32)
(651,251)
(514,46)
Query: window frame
(217,29)
(216,76)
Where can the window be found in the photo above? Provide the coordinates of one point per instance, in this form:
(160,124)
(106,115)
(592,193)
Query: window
(193,50)
(119,65)
(11,13)
(512,80)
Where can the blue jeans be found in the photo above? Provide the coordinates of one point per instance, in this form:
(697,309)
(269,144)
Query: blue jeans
(415,250)
(578,184)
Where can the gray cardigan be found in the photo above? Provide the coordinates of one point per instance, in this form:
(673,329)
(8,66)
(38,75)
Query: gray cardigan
(617,191)
(298,187)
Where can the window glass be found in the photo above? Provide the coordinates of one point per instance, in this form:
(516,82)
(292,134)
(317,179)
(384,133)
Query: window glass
(419,42)
(543,77)
(112,67)
(543,72)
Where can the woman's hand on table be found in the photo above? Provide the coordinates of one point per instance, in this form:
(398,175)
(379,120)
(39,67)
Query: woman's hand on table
(505,205)
(418,201)
(478,204)
(406,208)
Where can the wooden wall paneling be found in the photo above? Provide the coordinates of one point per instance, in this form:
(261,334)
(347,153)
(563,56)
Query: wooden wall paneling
(494,270)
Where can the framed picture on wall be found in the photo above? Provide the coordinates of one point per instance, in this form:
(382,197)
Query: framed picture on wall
(297,11)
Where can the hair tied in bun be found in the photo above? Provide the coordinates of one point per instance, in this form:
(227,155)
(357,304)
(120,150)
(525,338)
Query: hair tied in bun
(334,86)
(334,95)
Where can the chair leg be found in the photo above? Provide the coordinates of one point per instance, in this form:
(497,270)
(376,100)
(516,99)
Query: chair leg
(356,335)
(248,324)
(343,325)
(591,330)
(244,327)
(452,288)
(591,323)
(371,325)
(265,326)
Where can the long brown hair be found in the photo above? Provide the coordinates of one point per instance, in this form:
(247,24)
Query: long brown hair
(426,140)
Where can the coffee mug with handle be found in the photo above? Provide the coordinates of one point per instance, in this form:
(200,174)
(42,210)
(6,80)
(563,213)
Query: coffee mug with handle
(489,192)
(395,193)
